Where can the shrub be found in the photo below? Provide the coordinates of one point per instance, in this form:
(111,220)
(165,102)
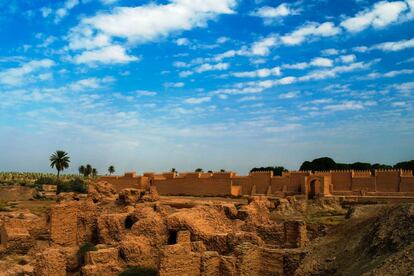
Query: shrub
(44,180)
(139,271)
(77,185)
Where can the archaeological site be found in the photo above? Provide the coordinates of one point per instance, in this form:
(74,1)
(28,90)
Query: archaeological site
(299,223)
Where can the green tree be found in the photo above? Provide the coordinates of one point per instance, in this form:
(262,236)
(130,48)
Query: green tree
(199,170)
(319,164)
(277,170)
(111,169)
(88,170)
(94,172)
(59,160)
(173,170)
(222,170)
(81,169)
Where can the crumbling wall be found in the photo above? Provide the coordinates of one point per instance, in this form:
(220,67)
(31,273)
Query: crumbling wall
(295,234)
(15,237)
(255,260)
(64,224)
(50,262)
(178,259)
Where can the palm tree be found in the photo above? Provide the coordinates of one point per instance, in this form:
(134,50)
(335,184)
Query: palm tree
(88,170)
(94,172)
(81,170)
(59,160)
(111,169)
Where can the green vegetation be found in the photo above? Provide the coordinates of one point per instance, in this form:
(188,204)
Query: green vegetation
(199,170)
(74,185)
(139,271)
(326,164)
(111,169)
(277,170)
(31,179)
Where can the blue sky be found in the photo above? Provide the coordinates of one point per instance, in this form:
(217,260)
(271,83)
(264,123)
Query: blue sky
(151,85)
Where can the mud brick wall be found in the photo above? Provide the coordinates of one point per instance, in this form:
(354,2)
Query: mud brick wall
(388,181)
(363,183)
(342,181)
(64,224)
(194,186)
(297,180)
(407,184)
(245,184)
(261,180)
(279,182)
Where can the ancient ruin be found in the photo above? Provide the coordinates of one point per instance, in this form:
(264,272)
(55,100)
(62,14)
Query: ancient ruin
(217,224)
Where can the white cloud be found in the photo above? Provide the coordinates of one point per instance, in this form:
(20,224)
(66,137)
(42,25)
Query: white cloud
(381,15)
(389,74)
(316,62)
(145,93)
(174,84)
(108,54)
(25,73)
(197,100)
(310,30)
(109,2)
(348,58)
(45,11)
(63,12)
(263,46)
(346,105)
(399,104)
(182,42)
(270,14)
(148,21)
(90,83)
(391,46)
(321,62)
(330,52)
(222,39)
(211,67)
(260,73)
(289,95)
(395,46)
(248,99)
(405,86)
